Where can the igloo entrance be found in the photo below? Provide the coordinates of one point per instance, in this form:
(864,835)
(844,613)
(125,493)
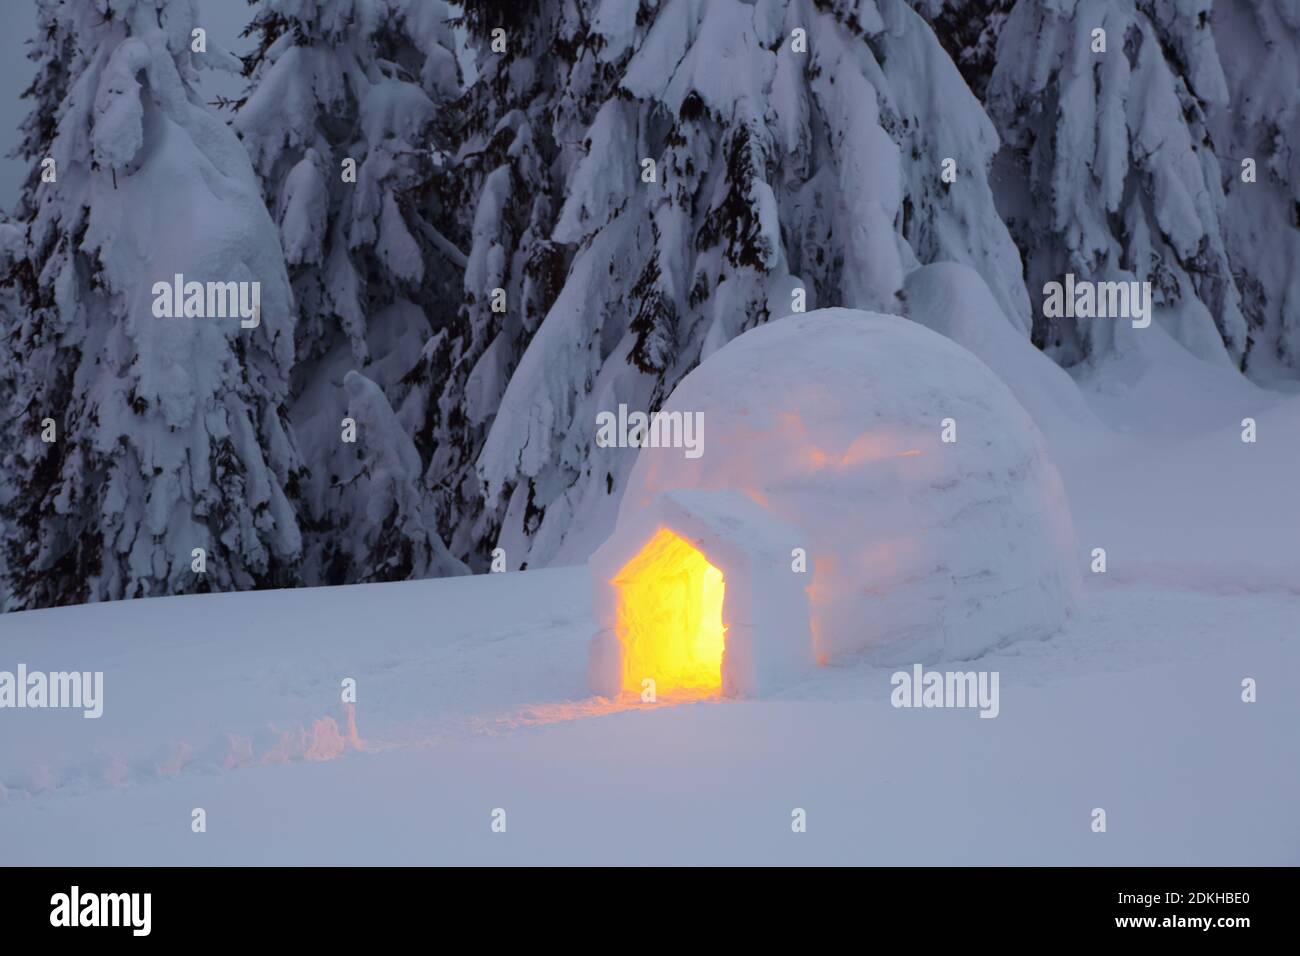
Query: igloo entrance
(695,593)
(669,619)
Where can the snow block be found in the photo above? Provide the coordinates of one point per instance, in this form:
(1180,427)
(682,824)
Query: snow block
(825,432)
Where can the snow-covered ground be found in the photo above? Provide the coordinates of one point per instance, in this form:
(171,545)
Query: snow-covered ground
(471,697)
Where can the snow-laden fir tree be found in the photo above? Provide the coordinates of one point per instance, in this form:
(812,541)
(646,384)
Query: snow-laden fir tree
(392,530)
(633,183)
(507,199)
(346,123)
(168,433)
(1259,125)
(1126,125)
(695,169)
(12,252)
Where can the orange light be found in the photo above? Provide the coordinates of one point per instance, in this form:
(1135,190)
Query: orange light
(670,618)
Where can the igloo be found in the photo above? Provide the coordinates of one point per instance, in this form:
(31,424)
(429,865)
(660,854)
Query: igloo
(866,487)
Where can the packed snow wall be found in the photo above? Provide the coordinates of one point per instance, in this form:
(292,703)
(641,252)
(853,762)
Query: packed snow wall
(934,523)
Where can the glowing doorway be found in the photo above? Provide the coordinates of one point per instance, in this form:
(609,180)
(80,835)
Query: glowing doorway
(670,618)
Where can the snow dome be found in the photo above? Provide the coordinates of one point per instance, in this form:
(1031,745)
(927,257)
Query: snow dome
(863,485)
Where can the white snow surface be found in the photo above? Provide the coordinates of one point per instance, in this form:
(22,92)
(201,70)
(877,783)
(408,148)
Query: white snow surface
(472,697)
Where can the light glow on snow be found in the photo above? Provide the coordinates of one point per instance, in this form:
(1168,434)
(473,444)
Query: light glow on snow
(670,618)
(870,446)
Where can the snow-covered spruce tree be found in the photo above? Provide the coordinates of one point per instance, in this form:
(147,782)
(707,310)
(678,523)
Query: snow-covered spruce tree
(12,252)
(346,122)
(1259,127)
(393,530)
(1124,142)
(508,197)
(720,164)
(141,438)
